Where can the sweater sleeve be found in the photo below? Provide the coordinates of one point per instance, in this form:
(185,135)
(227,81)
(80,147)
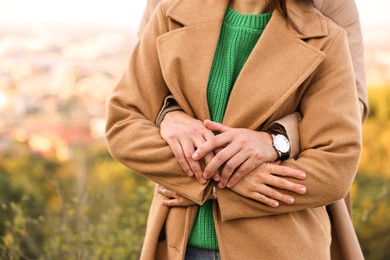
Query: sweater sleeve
(330,145)
(132,135)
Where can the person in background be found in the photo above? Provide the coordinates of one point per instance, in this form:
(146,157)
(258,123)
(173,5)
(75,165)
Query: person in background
(345,244)
(174,57)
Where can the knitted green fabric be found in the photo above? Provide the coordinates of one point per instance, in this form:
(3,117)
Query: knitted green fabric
(239,35)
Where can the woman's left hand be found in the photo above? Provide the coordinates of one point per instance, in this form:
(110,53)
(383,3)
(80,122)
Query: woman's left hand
(240,151)
(173,199)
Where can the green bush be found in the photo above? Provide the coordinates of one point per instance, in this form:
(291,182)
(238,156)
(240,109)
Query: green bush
(88,208)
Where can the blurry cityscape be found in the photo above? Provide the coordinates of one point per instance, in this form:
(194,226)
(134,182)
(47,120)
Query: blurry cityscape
(54,84)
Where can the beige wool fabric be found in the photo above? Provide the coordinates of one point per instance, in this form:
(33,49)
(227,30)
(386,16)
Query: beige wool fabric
(345,244)
(318,80)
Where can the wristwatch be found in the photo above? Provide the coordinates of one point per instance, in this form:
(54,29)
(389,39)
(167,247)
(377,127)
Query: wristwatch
(281,144)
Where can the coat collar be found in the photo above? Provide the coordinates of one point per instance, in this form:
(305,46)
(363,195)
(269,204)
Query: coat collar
(281,61)
(190,12)
(304,20)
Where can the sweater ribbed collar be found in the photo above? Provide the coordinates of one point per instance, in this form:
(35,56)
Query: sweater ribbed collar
(249,21)
(305,21)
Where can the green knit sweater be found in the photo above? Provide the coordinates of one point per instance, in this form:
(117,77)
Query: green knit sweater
(239,35)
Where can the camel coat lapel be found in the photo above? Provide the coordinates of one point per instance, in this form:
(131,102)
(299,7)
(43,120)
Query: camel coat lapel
(280,53)
(194,46)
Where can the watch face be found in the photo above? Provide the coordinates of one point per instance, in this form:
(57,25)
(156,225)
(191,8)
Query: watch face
(281,143)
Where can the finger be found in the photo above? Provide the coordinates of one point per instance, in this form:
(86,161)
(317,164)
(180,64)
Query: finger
(206,148)
(265,200)
(230,167)
(286,171)
(171,203)
(213,143)
(215,126)
(219,141)
(284,184)
(217,175)
(178,152)
(246,167)
(208,157)
(166,192)
(224,156)
(188,150)
(271,193)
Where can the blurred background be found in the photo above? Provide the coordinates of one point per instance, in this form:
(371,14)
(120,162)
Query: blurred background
(61,194)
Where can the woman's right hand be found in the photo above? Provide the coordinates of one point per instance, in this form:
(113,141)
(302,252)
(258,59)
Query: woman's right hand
(184,134)
(260,184)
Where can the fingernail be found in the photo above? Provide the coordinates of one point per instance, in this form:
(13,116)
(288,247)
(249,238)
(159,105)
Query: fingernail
(217,177)
(190,174)
(302,189)
(203,181)
(290,200)
(220,185)
(195,156)
(206,175)
(302,175)
(275,204)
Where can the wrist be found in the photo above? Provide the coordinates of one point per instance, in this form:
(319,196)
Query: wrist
(271,154)
(170,105)
(280,142)
(171,116)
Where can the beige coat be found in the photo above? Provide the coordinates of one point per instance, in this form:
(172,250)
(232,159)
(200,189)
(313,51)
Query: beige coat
(342,12)
(345,244)
(307,70)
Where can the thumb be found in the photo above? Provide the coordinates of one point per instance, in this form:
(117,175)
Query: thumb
(215,126)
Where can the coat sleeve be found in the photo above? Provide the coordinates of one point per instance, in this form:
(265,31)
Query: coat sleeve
(132,135)
(345,14)
(330,137)
(150,6)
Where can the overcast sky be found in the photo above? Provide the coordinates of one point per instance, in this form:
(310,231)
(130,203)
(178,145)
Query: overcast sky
(124,13)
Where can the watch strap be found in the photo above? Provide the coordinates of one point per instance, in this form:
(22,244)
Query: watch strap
(276,129)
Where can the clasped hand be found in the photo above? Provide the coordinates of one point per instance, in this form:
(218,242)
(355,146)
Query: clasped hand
(235,158)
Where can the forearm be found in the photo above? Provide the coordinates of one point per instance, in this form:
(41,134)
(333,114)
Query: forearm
(323,188)
(155,160)
(132,136)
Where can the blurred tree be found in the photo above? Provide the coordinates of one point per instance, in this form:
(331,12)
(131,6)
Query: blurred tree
(45,216)
(371,215)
